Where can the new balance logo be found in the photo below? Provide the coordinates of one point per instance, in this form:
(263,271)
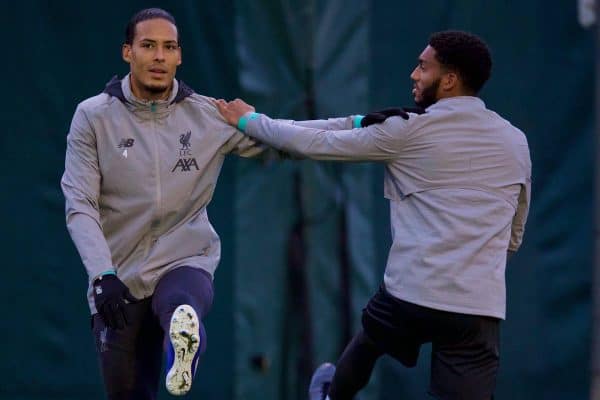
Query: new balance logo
(186,164)
(126,143)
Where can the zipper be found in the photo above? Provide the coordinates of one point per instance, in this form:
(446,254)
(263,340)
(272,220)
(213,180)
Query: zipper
(158,181)
(155,222)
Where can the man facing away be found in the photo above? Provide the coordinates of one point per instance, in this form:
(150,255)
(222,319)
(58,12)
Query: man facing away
(458,181)
(142,162)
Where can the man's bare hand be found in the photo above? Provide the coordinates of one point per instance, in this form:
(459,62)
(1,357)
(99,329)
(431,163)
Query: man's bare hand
(232,111)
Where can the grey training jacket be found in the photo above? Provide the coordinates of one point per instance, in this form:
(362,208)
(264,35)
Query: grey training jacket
(138,177)
(458,181)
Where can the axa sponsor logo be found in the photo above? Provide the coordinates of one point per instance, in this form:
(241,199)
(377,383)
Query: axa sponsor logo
(185,164)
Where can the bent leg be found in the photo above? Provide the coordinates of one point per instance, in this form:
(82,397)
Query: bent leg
(354,367)
(184,285)
(181,299)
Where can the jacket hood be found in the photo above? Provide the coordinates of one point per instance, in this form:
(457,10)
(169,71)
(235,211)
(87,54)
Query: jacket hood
(113,88)
(120,88)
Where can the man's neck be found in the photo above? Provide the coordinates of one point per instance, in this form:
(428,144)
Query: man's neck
(455,92)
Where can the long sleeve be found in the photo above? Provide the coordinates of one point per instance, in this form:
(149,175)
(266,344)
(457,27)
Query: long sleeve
(81,187)
(243,146)
(361,144)
(331,124)
(520,218)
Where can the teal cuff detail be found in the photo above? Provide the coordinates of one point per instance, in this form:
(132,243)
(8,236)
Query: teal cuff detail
(244,120)
(109,272)
(356,121)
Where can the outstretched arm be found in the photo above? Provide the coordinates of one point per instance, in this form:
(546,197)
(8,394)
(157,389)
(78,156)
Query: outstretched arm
(362,144)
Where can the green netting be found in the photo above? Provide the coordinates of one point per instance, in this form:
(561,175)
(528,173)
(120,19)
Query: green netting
(303,314)
(297,59)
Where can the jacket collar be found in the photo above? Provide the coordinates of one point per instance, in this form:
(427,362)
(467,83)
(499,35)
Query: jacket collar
(471,101)
(114,88)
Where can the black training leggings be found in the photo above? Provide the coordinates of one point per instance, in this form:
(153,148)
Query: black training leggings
(354,367)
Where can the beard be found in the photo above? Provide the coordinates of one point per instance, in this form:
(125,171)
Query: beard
(428,95)
(156,89)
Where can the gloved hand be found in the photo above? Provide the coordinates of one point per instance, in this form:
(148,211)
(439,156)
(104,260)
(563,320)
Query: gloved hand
(110,296)
(377,117)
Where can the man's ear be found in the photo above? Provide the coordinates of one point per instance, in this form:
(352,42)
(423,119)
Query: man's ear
(450,81)
(126,52)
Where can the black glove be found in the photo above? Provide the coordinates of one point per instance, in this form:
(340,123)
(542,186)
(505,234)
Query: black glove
(110,297)
(377,117)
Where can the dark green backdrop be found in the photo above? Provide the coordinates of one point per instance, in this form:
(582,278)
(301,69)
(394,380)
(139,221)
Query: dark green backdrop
(282,304)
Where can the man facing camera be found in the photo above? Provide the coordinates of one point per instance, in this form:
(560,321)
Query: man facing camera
(142,162)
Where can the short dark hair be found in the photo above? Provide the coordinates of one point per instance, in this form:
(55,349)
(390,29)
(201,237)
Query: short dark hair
(466,54)
(144,15)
